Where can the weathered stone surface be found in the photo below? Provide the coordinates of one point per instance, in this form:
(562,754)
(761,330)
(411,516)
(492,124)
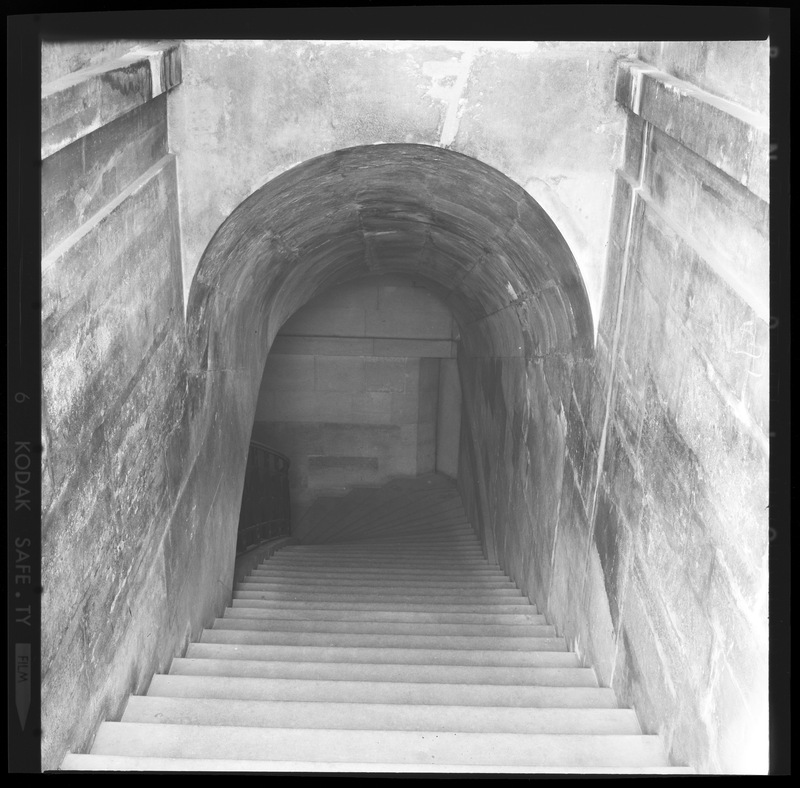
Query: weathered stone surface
(112,355)
(729,136)
(678,520)
(510,121)
(87,175)
(84,367)
(721,219)
(64,57)
(735,70)
(491,101)
(105,92)
(387,374)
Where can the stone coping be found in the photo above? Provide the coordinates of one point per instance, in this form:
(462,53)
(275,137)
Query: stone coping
(731,137)
(82,102)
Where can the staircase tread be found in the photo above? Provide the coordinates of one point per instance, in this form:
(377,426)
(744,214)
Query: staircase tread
(344,715)
(82,762)
(221,664)
(384,641)
(121,738)
(564,689)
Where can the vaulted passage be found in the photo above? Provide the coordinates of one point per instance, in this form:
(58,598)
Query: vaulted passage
(476,238)
(460,228)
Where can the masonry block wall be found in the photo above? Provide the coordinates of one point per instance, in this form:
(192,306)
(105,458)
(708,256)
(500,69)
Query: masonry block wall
(680,511)
(541,113)
(350,391)
(636,514)
(112,318)
(141,476)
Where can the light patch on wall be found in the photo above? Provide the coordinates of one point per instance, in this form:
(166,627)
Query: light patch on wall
(155,74)
(548,193)
(448,83)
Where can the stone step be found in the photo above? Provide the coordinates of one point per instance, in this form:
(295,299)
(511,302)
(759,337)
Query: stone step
(361,546)
(383,590)
(567,688)
(128,763)
(396,656)
(390,632)
(420,674)
(424,527)
(435,600)
(466,558)
(524,617)
(487,575)
(366,627)
(332,572)
(253,600)
(250,631)
(407,543)
(378,716)
(452,530)
(396,566)
(390,645)
(373,583)
(428,747)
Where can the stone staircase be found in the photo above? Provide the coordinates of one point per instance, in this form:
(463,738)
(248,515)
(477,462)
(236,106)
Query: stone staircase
(385,643)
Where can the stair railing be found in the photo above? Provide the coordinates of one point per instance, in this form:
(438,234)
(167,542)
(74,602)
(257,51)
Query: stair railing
(265,512)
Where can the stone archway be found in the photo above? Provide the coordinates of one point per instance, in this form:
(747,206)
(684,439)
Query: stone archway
(476,238)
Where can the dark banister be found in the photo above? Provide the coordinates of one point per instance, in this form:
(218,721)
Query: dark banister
(265,511)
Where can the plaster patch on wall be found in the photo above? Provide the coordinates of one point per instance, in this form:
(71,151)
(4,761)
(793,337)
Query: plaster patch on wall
(448,83)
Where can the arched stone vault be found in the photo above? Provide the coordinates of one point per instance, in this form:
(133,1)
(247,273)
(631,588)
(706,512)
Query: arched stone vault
(475,237)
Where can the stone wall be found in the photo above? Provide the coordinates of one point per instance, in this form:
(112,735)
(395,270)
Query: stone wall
(112,319)
(680,513)
(350,388)
(142,472)
(540,112)
(627,493)
(60,58)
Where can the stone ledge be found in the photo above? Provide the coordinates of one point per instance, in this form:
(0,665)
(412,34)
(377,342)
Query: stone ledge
(731,137)
(79,103)
(58,251)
